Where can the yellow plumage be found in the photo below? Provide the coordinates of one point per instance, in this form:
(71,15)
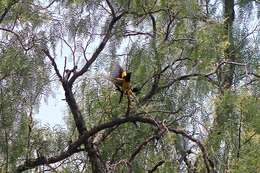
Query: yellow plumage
(121,78)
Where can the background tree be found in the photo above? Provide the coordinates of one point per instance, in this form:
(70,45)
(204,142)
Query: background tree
(195,63)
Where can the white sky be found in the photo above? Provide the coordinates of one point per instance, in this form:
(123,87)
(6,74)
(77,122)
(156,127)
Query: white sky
(53,111)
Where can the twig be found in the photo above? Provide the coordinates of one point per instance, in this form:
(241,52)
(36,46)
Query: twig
(249,139)
(50,4)
(97,51)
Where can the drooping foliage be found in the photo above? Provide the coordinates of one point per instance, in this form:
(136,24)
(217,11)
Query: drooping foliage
(194,63)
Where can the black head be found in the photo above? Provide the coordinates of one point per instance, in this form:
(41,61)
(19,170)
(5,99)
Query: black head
(127,78)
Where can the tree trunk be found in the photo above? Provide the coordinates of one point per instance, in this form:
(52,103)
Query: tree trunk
(95,160)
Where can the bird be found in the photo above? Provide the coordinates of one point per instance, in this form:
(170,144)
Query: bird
(122,80)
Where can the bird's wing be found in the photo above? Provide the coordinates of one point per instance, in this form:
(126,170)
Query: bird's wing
(117,71)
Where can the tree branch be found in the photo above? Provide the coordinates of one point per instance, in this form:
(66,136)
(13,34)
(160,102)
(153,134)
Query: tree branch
(20,40)
(208,162)
(32,163)
(73,147)
(7,9)
(156,166)
(111,8)
(142,145)
(53,63)
(97,51)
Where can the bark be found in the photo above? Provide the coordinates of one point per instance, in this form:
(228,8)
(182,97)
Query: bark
(74,108)
(97,164)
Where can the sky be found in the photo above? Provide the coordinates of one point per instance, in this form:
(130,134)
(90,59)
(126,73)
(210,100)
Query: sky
(53,108)
(52,111)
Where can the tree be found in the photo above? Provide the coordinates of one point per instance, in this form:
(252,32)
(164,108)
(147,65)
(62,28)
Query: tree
(196,69)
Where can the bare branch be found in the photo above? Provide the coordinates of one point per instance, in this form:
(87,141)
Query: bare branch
(65,66)
(111,8)
(249,139)
(208,162)
(53,63)
(97,51)
(50,4)
(188,76)
(3,77)
(172,18)
(85,48)
(136,33)
(154,25)
(70,47)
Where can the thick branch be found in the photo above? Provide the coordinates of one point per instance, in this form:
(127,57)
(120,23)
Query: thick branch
(73,148)
(74,108)
(32,163)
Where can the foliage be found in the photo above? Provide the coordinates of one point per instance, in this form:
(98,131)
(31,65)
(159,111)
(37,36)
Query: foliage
(197,108)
